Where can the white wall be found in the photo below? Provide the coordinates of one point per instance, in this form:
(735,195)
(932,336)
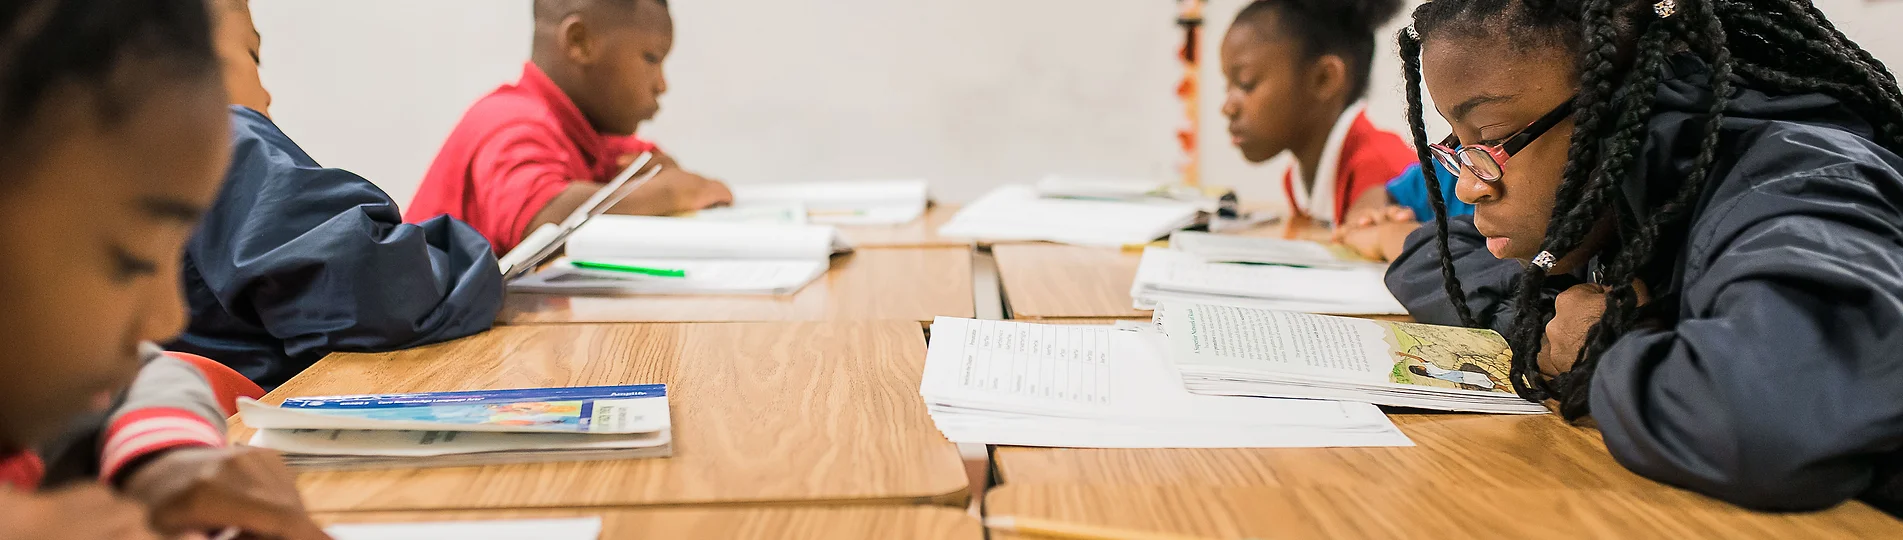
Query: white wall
(969,93)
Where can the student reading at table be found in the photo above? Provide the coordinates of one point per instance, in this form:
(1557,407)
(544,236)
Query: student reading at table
(530,153)
(1297,72)
(295,261)
(113,137)
(1686,223)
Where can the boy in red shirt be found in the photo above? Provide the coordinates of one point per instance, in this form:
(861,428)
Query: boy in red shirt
(1297,72)
(532,152)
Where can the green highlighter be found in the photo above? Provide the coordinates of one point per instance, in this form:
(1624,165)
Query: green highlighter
(658,272)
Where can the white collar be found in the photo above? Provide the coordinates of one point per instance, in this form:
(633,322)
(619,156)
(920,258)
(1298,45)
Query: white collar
(1319,202)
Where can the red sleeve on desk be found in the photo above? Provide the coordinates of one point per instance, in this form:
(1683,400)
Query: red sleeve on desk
(144,431)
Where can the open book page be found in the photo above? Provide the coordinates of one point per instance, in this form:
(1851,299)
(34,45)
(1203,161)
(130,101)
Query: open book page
(351,442)
(861,202)
(1250,249)
(588,528)
(1244,341)
(1015,212)
(1361,289)
(641,409)
(629,237)
(1082,187)
(703,277)
(1093,372)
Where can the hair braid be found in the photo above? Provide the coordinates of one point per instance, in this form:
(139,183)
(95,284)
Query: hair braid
(1410,46)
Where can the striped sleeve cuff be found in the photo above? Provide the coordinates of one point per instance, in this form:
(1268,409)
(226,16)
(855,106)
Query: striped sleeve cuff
(141,432)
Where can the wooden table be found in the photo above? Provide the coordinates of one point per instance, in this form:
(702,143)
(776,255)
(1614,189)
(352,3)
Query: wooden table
(1053,282)
(814,413)
(1452,451)
(840,522)
(1417,512)
(870,284)
(920,233)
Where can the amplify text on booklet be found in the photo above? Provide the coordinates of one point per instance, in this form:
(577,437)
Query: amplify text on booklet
(1226,350)
(465,428)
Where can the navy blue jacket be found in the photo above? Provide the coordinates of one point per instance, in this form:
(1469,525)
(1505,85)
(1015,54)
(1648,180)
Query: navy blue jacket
(1768,370)
(295,261)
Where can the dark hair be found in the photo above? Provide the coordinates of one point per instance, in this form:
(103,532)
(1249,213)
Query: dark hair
(1784,46)
(1343,28)
(51,43)
(550,11)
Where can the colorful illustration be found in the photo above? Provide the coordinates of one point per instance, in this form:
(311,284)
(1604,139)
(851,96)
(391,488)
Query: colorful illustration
(545,414)
(1449,357)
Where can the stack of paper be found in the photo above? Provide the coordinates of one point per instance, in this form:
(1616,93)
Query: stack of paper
(1229,248)
(447,429)
(1225,350)
(864,202)
(1167,274)
(1017,213)
(998,382)
(687,256)
(1082,187)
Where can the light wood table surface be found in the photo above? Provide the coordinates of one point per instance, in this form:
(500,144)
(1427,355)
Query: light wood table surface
(1415,512)
(1451,451)
(816,413)
(843,522)
(870,284)
(1053,281)
(920,233)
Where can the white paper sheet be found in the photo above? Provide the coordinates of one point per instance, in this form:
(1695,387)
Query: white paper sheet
(1351,291)
(1017,213)
(853,202)
(645,237)
(1000,382)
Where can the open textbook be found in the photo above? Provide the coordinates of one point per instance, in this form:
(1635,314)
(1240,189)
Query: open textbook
(1237,351)
(860,202)
(1017,213)
(1001,382)
(465,428)
(1169,274)
(687,256)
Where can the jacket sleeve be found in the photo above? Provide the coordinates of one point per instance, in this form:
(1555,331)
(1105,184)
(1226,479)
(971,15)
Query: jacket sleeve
(1415,277)
(169,405)
(321,259)
(1777,387)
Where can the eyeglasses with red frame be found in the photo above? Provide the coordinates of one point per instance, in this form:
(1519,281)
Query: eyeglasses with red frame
(1488,161)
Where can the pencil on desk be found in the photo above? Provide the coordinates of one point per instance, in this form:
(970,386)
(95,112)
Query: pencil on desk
(1058,529)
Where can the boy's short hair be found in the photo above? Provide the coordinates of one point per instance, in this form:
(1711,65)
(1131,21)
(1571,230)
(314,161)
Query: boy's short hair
(550,11)
(1343,28)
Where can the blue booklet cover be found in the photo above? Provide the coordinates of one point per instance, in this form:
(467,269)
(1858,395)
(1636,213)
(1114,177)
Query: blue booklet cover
(590,409)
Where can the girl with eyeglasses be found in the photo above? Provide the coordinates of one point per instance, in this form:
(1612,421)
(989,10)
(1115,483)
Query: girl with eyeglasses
(1689,225)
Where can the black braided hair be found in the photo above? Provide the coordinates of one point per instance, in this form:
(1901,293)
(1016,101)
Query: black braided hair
(53,44)
(1621,47)
(1343,28)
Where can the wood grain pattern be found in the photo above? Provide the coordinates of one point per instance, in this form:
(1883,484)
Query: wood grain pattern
(920,233)
(768,523)
(872,284)
(1414,512)
(763,413)
(1452,451)
(1046,281)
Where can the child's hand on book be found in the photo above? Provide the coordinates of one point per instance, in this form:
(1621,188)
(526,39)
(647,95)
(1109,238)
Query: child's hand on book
(81,513)
(209,489)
